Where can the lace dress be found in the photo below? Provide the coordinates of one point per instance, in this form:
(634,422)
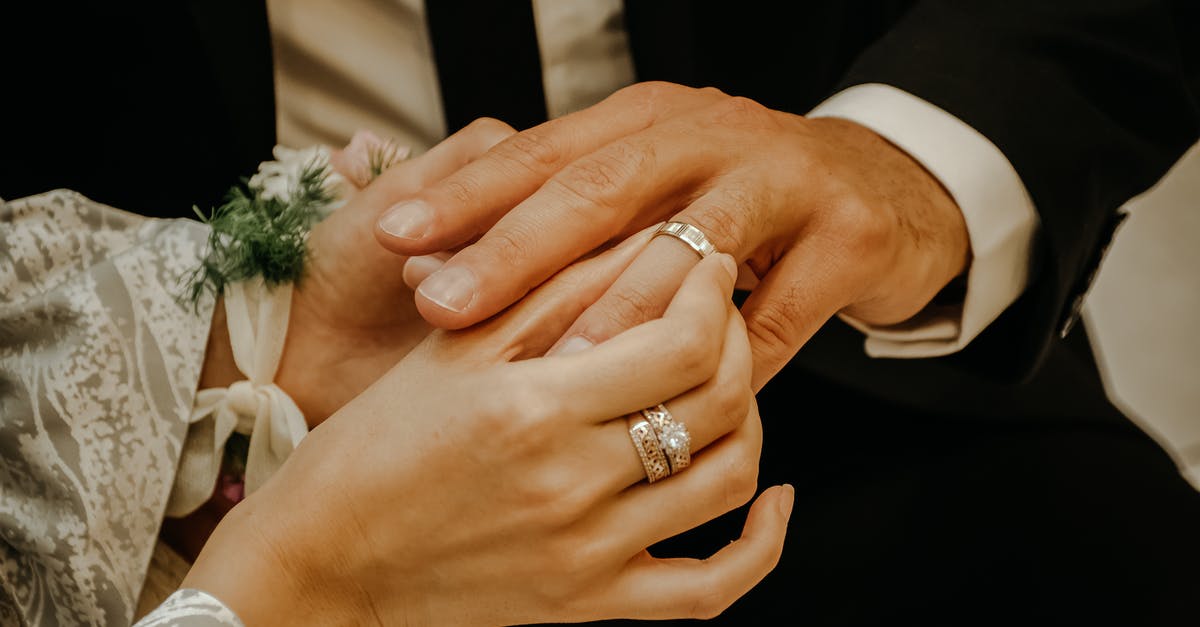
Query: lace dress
(99,361)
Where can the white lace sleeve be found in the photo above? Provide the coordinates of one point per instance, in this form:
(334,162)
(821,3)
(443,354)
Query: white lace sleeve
(191,608)
(99,361)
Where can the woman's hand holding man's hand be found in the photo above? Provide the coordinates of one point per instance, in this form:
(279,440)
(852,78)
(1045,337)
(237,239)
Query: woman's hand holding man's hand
(479,483)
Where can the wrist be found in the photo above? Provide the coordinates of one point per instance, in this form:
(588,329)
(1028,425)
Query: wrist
(294,376)
(250,563)
(927,245)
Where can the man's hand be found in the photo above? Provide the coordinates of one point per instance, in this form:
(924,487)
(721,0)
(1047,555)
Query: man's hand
(827,214)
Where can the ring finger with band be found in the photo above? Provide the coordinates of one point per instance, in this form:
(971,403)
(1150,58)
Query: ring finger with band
(702,416)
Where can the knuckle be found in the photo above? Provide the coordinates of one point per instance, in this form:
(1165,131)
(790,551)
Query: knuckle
(772,327)
(652,90)
(710,600)
(855,222)
(712,91)
(732,403)
(521,419)
(695,356)
(490,126)
(607,177)
(534,149)
(510,247)
(647,101)
(462,189)
(726,220)
(553,495)
(741,480)
(631,306)
(744,113)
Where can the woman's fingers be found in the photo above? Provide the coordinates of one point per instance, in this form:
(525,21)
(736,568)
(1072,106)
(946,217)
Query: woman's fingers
(344,239)
(732,219)
(718,407)
(722,477)
(655,589)
(650,363)
(641,293)
(532,325)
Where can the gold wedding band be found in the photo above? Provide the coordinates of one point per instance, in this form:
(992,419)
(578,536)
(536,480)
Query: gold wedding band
(645,440)
(688,234)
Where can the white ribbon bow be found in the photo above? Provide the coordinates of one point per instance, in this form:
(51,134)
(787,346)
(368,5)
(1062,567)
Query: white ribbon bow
(258,320)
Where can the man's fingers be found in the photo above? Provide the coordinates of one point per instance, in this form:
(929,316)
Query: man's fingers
(729,218)
(417,269)
(796,297)
(655,589)
(631,182)
(471,200)
(421,172)
(641,293)
(341,236)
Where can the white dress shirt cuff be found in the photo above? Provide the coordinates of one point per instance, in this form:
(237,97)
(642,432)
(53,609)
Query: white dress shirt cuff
(1000,216)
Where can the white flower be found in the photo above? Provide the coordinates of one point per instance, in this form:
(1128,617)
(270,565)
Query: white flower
(278,179)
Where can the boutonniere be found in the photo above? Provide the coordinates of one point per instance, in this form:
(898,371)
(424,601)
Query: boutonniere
(262,228)
(257,248)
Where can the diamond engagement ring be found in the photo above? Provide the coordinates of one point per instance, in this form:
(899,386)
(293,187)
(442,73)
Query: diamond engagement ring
(673,436)
(688,234)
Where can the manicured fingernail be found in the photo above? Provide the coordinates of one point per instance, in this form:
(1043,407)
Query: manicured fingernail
(417,269)
(574,344)
(408,220)
(787,500)
(450,288)
(729,264)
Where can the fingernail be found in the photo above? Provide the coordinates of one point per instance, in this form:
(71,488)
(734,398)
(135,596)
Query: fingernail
(408,220)
(417,269)
(729,264)
(788,499)
(574,344)
(450,288)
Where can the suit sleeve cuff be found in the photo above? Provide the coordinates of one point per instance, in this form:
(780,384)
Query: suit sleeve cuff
(1000,216)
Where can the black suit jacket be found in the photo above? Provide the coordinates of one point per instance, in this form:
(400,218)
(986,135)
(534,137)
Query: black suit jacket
(153,107)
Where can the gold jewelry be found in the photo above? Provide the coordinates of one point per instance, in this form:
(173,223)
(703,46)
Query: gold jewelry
(645,440)
(673,436)
(688,234)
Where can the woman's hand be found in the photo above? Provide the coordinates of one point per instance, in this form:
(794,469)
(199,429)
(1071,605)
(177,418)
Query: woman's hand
(352,316)
(477,483)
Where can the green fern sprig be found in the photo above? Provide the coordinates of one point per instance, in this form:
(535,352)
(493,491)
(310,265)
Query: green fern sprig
(253,235)
(381,158)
